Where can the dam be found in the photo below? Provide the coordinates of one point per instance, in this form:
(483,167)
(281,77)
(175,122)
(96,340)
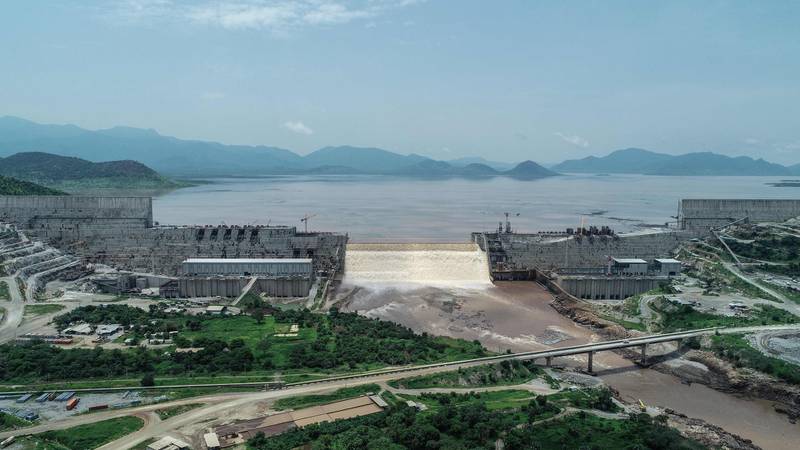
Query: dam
(429,264)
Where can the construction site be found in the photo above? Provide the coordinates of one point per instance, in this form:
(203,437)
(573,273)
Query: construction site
(508,290)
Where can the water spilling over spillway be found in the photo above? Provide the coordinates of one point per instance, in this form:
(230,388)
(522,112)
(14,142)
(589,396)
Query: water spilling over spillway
(421,264)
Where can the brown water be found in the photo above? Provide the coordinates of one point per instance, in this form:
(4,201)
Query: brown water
(517,316)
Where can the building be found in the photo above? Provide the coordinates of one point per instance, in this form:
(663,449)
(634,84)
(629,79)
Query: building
(108,330)
(168,443)
(667,267)
(216,310)
(262,267)
(212,441)
(628,266)
(83,329)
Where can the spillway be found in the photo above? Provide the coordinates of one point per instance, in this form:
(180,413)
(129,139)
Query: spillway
(416,264)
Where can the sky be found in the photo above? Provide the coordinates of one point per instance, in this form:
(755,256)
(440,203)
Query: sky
(506,80)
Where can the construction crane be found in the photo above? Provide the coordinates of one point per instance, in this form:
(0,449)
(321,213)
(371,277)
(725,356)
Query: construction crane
(305,220)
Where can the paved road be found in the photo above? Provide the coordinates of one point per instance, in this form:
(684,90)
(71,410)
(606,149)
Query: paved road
(14,310)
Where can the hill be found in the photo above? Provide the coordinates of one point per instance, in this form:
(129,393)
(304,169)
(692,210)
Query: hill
(639,161)
(12,186)
(362,160)
(529,170)
(72,173)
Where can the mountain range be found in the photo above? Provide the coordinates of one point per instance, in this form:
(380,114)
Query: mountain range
(640,161)
(194,158)
(180,157)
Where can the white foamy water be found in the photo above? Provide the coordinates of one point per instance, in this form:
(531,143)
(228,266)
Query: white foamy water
(409,265)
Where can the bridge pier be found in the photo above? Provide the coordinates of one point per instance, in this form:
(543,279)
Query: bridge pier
(549,360)
(644,354)
(591,359)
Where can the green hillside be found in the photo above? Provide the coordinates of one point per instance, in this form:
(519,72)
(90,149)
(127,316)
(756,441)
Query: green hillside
(12,186)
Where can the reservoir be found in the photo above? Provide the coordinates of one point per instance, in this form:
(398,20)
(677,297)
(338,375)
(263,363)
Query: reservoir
(390,209)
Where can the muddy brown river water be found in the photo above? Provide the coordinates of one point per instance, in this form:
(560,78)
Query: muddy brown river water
(517,316)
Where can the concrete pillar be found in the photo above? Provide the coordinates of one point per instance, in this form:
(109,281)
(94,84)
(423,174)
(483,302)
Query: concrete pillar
(549,360)
(591,359)
(644,354)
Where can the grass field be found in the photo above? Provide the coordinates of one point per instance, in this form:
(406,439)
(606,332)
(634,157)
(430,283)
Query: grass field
(42,309)
(9,422)
(304,401)
(86,437)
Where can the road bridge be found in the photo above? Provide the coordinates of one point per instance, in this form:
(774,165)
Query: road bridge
(548,355)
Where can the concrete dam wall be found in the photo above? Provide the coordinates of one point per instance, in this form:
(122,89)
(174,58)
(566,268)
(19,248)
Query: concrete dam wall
(432,264)
(703,214)
(119,231)
(534,251)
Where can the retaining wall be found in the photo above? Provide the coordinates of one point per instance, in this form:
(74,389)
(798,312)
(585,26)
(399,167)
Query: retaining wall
(703,214)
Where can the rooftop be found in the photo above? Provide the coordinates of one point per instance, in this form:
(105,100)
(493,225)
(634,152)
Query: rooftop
(629,261)
(667,261)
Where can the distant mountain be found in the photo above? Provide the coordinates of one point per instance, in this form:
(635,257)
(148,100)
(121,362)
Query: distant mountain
(162,153)
(639,161)
(629,160)
(69,172)
(528,170)
(795,169)
(708,163)
(466,161)
(203,159)
(12,186)
(363,160)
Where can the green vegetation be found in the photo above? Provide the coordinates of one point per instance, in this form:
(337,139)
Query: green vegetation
(166,413)
(676,317)
(505,373)
(70,173)
(4,292)
(640,431)
(792,295)
(85,437)
(13,186)
(239,345)
(10,422)
(738,351)
(767,246)
(472,421)
(304,401)
(790,269)
(42,309)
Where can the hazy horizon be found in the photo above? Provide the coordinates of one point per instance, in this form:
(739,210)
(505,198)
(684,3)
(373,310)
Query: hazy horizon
(507,81)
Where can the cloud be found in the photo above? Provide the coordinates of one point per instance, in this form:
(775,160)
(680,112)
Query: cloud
(277,16)
(574,140)
(298,127)
(752,141)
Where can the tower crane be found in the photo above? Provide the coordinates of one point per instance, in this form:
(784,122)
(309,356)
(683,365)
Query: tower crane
(305,218)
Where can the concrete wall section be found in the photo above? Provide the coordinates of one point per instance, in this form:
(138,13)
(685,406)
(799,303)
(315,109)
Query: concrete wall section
(535,252)
(607,288)
(42,211)
(702,214)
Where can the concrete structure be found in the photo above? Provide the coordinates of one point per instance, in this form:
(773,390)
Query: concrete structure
(264,267)
(667,267)
(628,266)
(211,440)
(108,330)
(120,231)
(601,287)
(700,215)
(515,255)
(233,286)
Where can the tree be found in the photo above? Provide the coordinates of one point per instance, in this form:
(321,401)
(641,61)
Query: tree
(148,380)
(258,315)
